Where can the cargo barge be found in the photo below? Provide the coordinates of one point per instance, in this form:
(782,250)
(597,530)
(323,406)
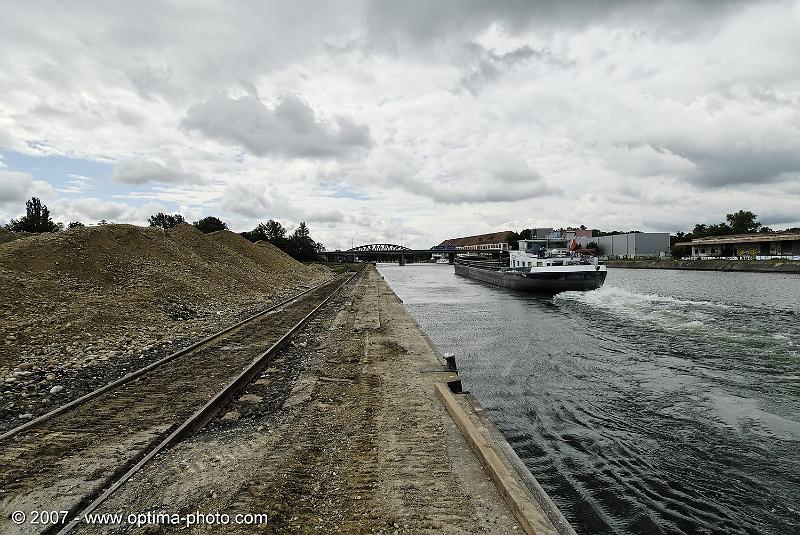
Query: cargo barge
(537,268)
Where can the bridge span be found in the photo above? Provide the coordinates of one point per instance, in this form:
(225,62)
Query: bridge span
(387,252)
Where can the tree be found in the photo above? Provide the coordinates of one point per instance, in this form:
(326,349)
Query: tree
(210,224)
(271,231)
(526,234)
(275,232)
(36,219)
(301,246)
(720,229)
(679,251)
(166,221)
(700,230)
(743,222)
(75,224)
(513,240)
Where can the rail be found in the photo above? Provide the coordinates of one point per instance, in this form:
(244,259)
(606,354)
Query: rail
(205,413)
(142,371)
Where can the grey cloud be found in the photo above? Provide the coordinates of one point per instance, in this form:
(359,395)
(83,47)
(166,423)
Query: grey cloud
(449,193)
(248,200)
(289,129)
(326,216)
(144,171)
(489,65)
(476,176)
(731,166)
(776,218)
(129,117)
(426,21)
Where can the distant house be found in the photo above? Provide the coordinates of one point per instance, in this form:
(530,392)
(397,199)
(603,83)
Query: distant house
(496,241)
(760,246)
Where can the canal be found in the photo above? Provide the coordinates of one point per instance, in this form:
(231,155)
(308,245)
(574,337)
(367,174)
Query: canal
(665,402)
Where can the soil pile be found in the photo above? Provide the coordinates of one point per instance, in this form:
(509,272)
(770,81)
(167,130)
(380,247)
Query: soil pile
(7,235)
(85,296)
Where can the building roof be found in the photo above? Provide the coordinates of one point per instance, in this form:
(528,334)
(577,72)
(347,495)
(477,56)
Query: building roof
(481,239)
(744,238)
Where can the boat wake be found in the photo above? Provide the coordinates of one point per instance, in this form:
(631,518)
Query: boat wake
(661,311)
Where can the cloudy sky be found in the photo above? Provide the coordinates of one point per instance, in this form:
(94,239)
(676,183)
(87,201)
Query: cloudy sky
(404,122)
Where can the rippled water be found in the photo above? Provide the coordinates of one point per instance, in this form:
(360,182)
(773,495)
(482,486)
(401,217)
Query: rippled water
(665,402)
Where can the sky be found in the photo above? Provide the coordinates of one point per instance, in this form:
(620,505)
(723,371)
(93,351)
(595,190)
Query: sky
(410,122)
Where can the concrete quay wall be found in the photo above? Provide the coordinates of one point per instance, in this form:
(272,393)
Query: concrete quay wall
(758,266)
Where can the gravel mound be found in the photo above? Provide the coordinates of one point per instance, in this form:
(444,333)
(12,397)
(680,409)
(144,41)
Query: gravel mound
(7,235)
(89,297)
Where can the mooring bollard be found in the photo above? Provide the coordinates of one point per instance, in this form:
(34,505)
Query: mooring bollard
(455,386)
(450,362)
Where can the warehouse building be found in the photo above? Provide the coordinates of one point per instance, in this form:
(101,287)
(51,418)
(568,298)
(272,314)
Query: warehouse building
(757,246)
(632,244)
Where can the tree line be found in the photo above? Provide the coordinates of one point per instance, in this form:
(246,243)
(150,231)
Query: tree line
(299,244)
(741,222)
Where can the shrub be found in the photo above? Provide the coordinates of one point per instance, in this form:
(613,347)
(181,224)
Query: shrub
(36,219)
(210,224)
(165,221)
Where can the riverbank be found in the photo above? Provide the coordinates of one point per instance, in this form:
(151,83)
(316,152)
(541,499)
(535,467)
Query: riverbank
(762,266)
(349,431)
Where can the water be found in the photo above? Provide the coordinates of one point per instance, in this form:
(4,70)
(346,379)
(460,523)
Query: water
(665,402)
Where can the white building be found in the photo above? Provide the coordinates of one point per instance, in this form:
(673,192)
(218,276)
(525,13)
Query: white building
(630,245)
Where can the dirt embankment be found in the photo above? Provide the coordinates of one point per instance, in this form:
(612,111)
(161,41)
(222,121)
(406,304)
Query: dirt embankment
(79,302)
(765,266)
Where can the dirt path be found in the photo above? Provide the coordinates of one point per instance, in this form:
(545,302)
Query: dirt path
(343,435)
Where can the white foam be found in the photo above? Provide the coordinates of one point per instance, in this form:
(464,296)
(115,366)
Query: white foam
(610,296)
(664,312)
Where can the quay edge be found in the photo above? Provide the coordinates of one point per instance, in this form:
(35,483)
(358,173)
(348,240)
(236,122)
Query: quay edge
(756,266)
(527,500)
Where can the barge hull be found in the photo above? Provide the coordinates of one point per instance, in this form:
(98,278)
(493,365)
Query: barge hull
(593,281)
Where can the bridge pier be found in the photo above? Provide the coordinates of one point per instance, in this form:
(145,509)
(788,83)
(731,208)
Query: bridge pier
(402,259)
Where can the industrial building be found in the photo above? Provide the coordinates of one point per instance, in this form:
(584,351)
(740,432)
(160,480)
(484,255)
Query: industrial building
(757,246)
(619,245)
(629,245)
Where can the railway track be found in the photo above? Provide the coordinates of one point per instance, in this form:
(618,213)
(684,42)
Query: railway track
(73,458)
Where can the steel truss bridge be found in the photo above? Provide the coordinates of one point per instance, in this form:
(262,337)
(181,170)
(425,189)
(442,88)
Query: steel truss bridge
(383,252)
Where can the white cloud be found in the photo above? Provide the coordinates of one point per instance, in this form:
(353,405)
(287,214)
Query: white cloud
(475,175)
(289,129)
(19,187)
(432,118)
(145,171)
(77,184)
